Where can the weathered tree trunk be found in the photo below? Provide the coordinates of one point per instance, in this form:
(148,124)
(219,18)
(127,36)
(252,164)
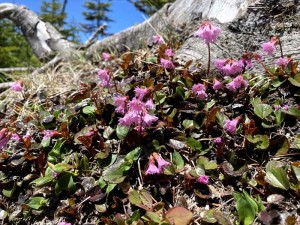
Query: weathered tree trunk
(44,39)
(245,24)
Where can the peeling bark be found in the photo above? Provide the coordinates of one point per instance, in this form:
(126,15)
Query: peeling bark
(44,39)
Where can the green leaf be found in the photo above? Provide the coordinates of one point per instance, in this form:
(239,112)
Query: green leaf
(188,124)
(60,167)
(36,202)
(159,98)
(203,162)
(152,59)
(261,141)
(89,110)
(110,187)
(133,155)
(114,175)
(296,80)
(277,177)
(9,190)
(134,197)
(42,180)
(194,144)
(262,110)
(178,161)
(296,171)
(46,142)
(179,216)
(246,207)
(65,182)
(122,132)
(54,155)
(293,111)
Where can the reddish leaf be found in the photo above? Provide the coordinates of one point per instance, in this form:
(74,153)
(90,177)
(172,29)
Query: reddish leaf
(86,141)
(179,216)
(27,141)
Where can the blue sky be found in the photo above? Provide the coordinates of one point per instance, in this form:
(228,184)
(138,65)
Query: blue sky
(123,13)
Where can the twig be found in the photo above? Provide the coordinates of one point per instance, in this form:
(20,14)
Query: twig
(89,42)
(15,69)
(6,85)
(51,63)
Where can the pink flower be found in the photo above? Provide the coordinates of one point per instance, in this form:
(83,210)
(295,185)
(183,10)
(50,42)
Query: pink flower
(229,66)
(152,168)
(246,60)
(106,56)
(169,52)
(208,32)
(199,90)
(91,132)
(17,86)
(285,107)
(104,77)
(202,179)
(140,92)
(5,136)
(149,104)
(49,133)
(269,47)
(138,114)
(120,103)
(217,85)
(236,83)
(282,62)
(167,64)
(162,164)
(219,63)
(231,125)
(148,119)
(15,137)
(218,140)
(157,40)
(64,223)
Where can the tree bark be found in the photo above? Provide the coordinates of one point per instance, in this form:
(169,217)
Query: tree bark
(44,39)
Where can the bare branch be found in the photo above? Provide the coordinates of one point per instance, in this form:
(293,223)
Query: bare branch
(51,63)
(15,69)
(42,37)
(89,42)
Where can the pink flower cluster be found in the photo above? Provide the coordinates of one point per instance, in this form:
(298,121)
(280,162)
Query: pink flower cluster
(106,56)
(17,86)
(269,47)
(231,125)
(169,52)
(167,64)
(283,62)
(104,78)
(136,111)
(199,91)
(156,164)
(229,66)
(237,83)
(202,179)
(157,40)
(208,32)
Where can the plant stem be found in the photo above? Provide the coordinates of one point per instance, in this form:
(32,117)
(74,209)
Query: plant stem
(208,66)
(280,46)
